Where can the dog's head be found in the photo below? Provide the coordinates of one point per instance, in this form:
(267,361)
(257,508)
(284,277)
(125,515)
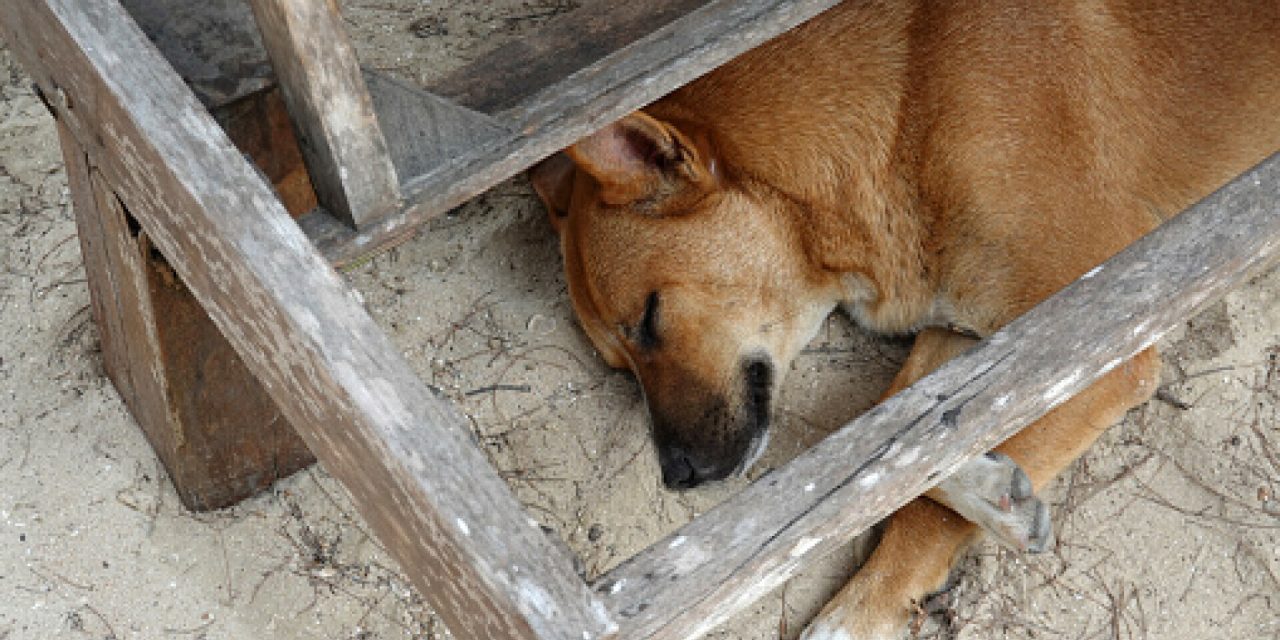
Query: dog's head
(694,278)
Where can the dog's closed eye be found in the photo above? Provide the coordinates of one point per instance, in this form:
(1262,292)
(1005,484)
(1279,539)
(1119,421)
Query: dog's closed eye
(646,333)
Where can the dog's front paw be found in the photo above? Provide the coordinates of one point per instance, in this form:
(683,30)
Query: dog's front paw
(993,492)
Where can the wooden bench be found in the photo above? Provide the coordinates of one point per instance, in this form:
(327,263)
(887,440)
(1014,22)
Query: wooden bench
(213,279)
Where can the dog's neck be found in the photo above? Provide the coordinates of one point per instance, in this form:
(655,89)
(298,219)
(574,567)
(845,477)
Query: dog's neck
(856,200)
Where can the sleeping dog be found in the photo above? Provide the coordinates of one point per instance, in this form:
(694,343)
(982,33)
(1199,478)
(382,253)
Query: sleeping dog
(934,168)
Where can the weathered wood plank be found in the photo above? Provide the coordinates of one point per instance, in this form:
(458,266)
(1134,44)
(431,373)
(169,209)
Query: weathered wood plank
(343,145)
(563,45)
(408,458)
(137,361)
(560,114)
(429,130)
(216,48)
(719,563)
(103,299)
(218,434)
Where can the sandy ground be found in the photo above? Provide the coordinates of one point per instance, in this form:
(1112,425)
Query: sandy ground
(1169,528)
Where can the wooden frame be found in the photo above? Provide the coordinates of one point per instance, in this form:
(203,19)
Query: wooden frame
(460,535)
(340,137)
(220,436)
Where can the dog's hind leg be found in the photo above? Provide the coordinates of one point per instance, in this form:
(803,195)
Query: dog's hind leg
(923,540)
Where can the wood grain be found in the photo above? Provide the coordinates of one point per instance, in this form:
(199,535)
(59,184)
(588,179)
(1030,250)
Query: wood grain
(560,47)
(345,151)
(430,131)
(104,300)
(213,44)
(684,585)
(405,454)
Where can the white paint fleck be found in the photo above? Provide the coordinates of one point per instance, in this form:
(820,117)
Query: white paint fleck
(808,488)
(462,526)
(679,540)
(1141,328)
(869,481)
(1092,272)
(690,558)
(907,458)
(804,546)
(1057,392)
(604,618)
(617,587)
(893,449)
(1002,401)
(534,597)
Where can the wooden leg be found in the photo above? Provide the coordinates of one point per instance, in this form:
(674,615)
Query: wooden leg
(214,428)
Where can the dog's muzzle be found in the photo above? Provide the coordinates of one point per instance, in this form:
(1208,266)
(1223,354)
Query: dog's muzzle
(742,431)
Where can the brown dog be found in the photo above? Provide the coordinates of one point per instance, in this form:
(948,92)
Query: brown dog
(930,167)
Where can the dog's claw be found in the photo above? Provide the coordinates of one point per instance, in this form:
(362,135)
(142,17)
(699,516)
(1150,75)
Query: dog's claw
(1041,530)
(1020,488)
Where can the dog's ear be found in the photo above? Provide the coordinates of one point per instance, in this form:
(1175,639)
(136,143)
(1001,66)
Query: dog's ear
(635,157)
(553,180)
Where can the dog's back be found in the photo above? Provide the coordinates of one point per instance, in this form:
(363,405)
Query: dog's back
(1006,121)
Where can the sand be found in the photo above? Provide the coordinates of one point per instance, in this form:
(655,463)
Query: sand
(1169,528)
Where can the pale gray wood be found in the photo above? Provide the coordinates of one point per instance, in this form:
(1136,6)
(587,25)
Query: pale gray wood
(721,562)
(428,130)
(561,46)
(406,455)
(345,151)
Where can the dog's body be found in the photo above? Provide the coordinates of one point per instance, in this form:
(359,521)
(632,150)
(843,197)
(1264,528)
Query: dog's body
(937,167)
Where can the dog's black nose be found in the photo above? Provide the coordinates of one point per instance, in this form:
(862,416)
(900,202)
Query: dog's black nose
(678,468)
(758,375)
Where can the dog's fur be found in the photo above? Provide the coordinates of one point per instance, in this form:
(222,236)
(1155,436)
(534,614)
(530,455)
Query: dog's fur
(931,167)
